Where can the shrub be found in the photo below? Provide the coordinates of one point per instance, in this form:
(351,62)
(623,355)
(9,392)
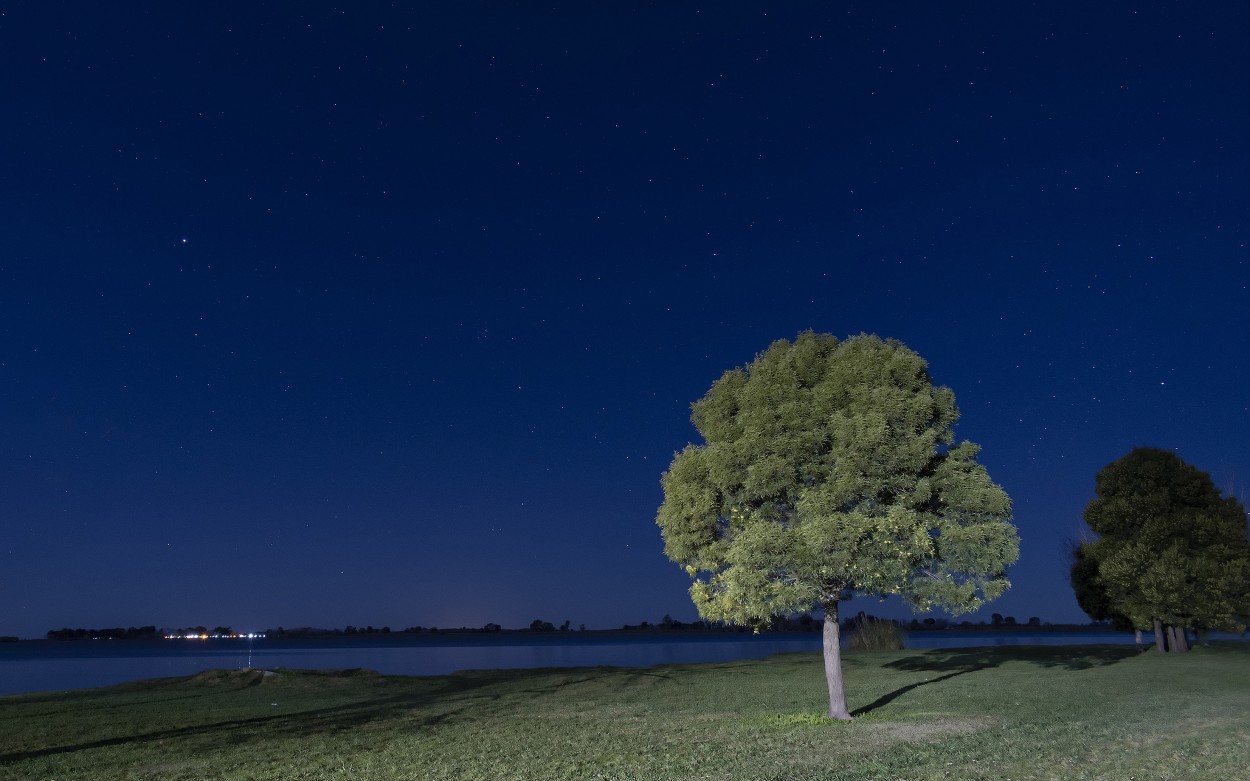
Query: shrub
(875,634)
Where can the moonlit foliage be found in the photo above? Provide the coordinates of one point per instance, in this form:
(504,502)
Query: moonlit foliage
(829,469)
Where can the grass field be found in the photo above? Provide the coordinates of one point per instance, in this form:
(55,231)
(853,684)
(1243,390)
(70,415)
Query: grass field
(1095,712)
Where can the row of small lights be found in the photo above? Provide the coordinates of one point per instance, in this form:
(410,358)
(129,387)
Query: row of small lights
(214,637)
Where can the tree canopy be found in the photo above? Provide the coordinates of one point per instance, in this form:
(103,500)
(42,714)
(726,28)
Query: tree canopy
(1170,550)
(1090,593)
(829,469)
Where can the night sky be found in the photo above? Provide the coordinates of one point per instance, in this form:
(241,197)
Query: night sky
(336,315)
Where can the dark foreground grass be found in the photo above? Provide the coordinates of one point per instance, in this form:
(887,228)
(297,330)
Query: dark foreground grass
(1021,713)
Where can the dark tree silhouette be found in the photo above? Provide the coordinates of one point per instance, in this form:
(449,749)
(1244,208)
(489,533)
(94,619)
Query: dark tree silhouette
(1171,554)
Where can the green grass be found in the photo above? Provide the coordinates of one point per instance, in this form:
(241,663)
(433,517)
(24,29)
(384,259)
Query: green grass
(1022,713)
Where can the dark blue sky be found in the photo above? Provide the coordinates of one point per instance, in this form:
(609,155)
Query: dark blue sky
(340,315)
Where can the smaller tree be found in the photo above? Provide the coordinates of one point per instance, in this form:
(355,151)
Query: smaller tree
(1172,553)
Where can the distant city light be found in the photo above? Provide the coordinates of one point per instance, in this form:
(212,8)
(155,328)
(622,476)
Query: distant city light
(248,636)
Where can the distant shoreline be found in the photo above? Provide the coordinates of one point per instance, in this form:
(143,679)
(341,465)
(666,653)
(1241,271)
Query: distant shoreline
(299,633)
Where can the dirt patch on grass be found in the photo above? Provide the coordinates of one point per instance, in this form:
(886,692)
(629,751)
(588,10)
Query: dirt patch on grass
(162,770)
(231,677)
(881,730)
(921,731)
(344,672)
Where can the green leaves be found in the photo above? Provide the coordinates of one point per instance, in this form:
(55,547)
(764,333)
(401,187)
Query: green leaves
(1171,547)
(827,467)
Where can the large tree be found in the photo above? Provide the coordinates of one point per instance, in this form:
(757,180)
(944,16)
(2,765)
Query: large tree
(830,469)
(1172,553)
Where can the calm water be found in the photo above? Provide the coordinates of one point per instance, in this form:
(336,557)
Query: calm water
(47,666)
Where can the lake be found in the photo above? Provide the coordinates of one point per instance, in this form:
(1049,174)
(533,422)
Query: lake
(54,665)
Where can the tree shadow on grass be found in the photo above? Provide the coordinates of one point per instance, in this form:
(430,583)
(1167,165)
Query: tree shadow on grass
(419,707)
(962,661)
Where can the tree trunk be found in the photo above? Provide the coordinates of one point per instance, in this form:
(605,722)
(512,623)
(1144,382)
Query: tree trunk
(1177,640)
(1160,645)
(833,664)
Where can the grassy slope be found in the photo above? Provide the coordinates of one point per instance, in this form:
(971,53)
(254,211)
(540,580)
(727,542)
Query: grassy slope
(1041,713)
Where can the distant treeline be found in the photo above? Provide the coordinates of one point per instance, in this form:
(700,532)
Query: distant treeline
(809,623)
(312,631)
(115,633)
(997,621)
(132,633)
(800,623)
